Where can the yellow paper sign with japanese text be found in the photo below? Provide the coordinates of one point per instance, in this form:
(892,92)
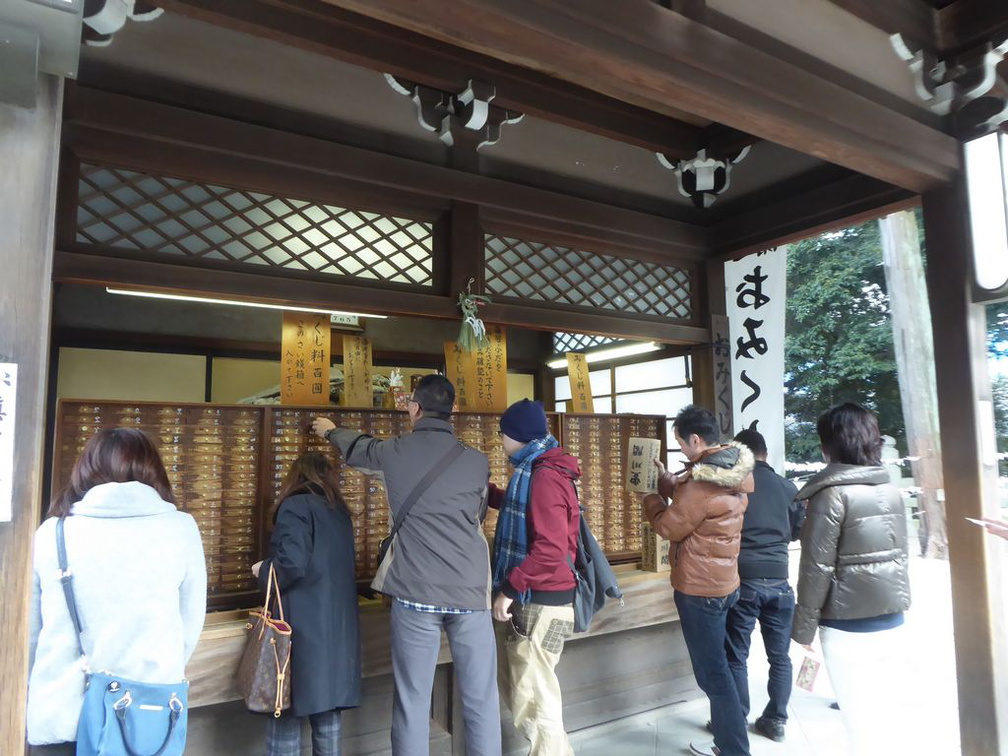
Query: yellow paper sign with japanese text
(577,372)
(460,369)
(357,388)
(490,393)
(304,358)
(641,473)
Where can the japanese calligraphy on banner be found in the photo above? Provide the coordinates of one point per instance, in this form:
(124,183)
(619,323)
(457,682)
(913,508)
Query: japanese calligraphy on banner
(490,392)
(460,369)
(580,385)
(304,363)
(755,288)
(642,475)
(357,388)
(8,392)
(722,376)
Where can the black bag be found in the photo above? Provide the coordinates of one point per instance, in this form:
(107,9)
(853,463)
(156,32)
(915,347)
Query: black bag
(594,578)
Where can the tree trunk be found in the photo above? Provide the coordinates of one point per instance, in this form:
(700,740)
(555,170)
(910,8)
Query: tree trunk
(911,321)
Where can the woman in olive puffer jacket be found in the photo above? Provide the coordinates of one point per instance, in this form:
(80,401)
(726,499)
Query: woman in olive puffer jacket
(853,582)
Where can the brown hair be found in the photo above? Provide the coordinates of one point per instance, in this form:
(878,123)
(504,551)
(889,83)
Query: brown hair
(312,473)
(849,434)
(113,455)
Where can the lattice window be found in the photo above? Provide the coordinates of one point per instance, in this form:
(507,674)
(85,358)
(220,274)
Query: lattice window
(551,273)
(170,216)
(577,342)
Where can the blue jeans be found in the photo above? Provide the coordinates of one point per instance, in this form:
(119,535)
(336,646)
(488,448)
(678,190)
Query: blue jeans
(703,622)
(772,602)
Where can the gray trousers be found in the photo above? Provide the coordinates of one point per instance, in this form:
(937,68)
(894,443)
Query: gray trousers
(416,640)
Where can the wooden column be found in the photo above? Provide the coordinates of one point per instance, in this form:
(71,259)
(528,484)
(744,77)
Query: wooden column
(711,302)
(29,150)
(970,472)
(914,346)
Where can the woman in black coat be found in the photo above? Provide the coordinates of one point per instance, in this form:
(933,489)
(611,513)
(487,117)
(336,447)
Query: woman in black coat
(312,552)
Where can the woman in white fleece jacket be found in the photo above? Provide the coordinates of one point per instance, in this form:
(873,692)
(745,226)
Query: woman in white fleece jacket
(139,580)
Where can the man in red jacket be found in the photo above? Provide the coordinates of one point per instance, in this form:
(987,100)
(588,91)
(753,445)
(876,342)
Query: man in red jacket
(533,580)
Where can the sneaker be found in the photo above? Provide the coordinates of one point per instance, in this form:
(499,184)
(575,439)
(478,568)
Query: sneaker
(705,748)
(770,728)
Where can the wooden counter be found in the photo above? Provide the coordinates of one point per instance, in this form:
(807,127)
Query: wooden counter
(211,671)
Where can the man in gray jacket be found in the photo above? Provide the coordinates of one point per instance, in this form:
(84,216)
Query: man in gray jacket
(439,570)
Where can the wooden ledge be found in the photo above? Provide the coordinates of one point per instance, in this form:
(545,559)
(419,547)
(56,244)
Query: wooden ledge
(211,671)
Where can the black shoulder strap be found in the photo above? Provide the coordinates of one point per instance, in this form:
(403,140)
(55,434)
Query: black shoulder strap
(454,453)
(66,578)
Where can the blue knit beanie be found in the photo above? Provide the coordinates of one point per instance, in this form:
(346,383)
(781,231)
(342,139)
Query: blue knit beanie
(524,421)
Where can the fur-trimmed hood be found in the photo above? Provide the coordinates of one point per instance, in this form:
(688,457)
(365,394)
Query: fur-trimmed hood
(725,466)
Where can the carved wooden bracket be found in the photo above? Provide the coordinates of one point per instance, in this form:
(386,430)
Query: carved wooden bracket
(701,178)
(967,87)
(445,113)
(103,18)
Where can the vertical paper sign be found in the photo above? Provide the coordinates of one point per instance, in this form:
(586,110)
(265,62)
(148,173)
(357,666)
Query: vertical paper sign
(8,392)
(304,363)
(490,393)
(755,291)
(642,475)
(577,372)
(460,369)
(357,388)
(722,376)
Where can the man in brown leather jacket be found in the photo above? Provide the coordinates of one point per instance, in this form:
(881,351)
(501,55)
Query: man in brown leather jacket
(704,524)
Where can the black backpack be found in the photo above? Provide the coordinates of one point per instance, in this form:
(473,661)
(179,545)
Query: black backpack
(594,576)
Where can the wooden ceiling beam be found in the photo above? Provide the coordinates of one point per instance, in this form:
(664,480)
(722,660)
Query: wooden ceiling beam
(363,41)
(645,55)
(838,204)
(914,19)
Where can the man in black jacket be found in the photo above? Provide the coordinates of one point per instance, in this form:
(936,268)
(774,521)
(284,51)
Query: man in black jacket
(772,520)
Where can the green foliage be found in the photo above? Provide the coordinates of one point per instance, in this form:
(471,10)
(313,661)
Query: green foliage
(839,336)
(997,330)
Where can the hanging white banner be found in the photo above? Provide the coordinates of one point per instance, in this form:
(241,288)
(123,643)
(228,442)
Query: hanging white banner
(755,291)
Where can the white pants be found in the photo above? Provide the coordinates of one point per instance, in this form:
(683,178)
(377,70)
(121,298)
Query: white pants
(870,674)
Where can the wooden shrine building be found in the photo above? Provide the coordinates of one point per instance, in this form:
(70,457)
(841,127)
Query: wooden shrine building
(210,147)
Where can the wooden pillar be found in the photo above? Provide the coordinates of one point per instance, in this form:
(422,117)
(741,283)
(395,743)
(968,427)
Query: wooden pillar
(970,472)
(29,150)
(712,302)
(913,342)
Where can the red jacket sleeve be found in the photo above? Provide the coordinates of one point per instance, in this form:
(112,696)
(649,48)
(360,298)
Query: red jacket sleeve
(495,496)
(549,515)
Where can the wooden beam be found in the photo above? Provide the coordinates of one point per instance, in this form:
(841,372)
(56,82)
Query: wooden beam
(147,136)
(363,41)
(840,203)
(602,322)
(970,474)
(965,24)
(640,53)
(914,19)
(29,153)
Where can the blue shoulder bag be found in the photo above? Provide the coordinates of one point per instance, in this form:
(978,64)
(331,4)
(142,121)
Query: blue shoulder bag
(122,717)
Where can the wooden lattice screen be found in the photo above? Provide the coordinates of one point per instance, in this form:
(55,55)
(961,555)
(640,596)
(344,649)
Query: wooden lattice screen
(551,273)
(577,342)
(161,215)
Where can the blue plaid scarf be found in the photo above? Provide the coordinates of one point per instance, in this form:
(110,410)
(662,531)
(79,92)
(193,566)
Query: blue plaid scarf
(511,536)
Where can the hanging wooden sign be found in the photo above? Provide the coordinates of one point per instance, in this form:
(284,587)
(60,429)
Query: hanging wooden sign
(491,372)
(460,369)
(357,388)
(304,363)
(580,385)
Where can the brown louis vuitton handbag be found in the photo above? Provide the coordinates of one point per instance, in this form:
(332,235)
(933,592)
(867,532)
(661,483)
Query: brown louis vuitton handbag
(264,672)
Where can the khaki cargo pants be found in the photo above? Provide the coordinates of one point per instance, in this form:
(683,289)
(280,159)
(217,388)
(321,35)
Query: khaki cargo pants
(533,642)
